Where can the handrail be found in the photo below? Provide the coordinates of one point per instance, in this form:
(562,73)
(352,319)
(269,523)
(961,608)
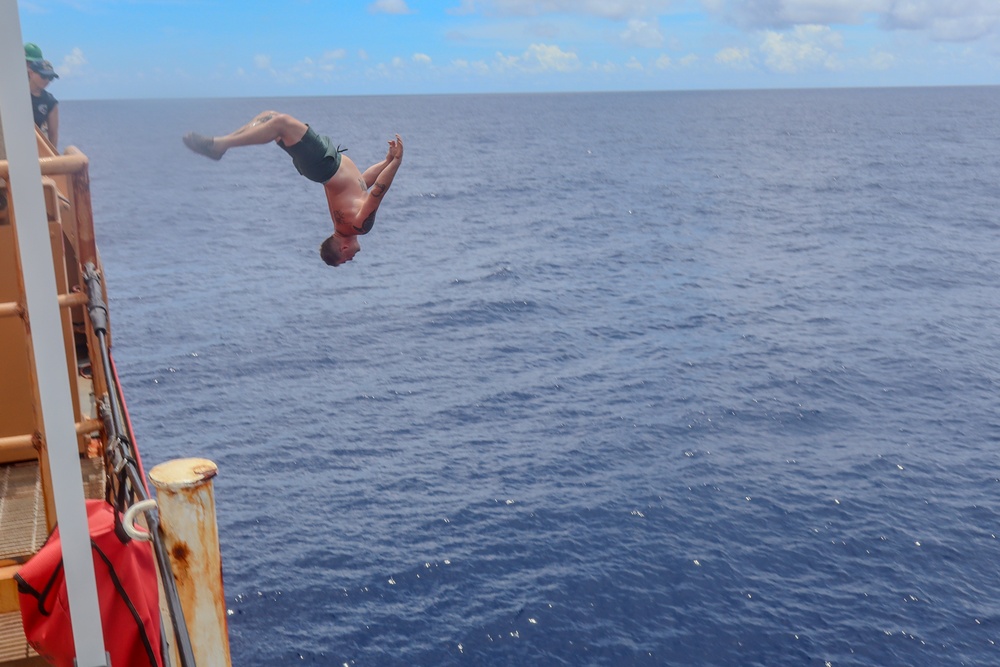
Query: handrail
(71,163)
(16,309)
(30,439)
(15,441)
(72,299)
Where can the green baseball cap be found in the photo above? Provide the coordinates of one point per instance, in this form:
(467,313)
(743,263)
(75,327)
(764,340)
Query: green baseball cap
(32,52)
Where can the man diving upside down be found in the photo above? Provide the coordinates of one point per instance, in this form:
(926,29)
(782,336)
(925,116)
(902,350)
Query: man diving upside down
(353,197)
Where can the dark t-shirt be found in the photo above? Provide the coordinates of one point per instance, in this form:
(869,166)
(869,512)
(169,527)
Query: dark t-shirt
(43,106)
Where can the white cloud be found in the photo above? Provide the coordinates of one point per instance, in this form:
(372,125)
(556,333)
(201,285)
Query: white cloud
(606,67)
(422,58)
(478,66)
(645,34)
(72,63)
(540,58)
(328,61)
(881,60)
(941,20)
(389,7)
(733,57)
(262,61)
(784,13)
(548,57)
(464,8)
(663,62)
(952,21)
(506,62)
(633,63)
(805,47)
(609,9)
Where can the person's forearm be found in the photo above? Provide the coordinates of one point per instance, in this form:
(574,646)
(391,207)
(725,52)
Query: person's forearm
(384,178)
(53,127)
(374,199)
(372,172)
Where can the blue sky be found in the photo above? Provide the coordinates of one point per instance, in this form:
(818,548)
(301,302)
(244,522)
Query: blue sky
(186,48)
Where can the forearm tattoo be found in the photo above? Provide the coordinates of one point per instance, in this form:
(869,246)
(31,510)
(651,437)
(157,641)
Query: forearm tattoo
(379,189)
(367,225)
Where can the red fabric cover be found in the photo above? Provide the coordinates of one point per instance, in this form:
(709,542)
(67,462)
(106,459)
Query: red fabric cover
(126,591)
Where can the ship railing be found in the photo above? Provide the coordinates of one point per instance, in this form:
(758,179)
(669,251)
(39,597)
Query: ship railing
(69,187)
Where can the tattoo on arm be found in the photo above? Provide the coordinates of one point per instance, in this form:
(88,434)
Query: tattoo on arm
(379,189)
(361,182)
(367,225)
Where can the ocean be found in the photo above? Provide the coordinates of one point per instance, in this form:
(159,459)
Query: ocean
(676,378)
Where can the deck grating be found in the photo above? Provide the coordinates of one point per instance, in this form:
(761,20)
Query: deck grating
(13,645)
(22,511)
(22,507)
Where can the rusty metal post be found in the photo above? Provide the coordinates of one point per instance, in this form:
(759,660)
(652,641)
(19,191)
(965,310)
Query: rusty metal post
(186,501)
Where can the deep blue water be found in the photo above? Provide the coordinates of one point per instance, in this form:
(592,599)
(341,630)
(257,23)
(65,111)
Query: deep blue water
(621,379)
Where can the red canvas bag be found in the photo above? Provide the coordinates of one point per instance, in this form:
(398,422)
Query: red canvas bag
(126,591)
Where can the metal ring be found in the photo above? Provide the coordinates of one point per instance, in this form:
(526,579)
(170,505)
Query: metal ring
(128,520)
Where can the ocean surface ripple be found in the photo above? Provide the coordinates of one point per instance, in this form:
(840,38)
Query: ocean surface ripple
(618,379)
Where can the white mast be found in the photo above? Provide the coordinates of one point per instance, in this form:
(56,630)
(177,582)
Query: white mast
(46,337)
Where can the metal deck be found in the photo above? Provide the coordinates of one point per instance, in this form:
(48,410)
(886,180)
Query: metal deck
(23,532)
(22,511)
(13,645)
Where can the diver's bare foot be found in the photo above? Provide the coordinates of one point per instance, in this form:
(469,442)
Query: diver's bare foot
(203,145)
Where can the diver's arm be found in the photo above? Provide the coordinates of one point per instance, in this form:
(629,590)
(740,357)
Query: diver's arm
(373,199)
(372,173)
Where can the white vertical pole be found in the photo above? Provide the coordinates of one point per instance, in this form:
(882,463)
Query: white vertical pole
(46,339)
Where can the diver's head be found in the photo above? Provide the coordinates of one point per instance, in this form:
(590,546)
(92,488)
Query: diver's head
(338,249)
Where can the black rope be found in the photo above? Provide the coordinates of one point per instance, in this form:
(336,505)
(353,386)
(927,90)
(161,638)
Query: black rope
(126,470)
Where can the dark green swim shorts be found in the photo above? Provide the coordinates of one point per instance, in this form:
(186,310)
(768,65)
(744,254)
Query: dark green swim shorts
(314,156)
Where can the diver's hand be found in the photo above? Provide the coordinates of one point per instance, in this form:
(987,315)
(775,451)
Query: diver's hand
(395,149)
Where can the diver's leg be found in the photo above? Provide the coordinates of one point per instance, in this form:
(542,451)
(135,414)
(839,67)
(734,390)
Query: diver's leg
(264,128)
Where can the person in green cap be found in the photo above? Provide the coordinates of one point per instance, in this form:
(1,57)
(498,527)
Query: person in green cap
(32,52)
(43,103)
